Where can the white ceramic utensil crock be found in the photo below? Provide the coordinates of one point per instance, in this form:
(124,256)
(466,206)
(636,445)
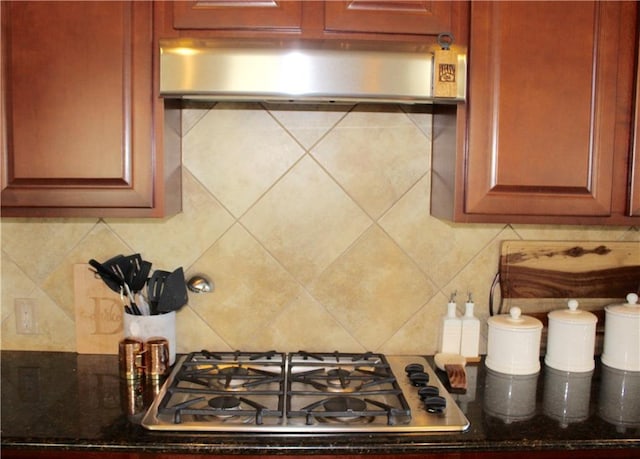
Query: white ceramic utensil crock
(622,335)
(513,345)
(571,339)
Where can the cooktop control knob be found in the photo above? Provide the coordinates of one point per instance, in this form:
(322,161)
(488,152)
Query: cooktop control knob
(414,368)
(428,391)
(419,379)
(435,404)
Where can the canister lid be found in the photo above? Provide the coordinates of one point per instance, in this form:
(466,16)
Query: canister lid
(631,308)
(573,314)
(515,321)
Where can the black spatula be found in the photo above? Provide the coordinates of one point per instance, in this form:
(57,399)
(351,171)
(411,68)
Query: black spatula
(174,294)
(155,287)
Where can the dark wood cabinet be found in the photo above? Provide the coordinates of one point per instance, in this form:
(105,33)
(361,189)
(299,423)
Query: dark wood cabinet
(634,163)
(544,137)
(357,19)
(237,15)
(82,131)
(391,17)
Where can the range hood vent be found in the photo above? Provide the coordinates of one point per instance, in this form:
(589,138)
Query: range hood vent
(302,71)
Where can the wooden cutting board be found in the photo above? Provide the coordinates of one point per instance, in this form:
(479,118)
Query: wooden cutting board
(574,269)
(98,313)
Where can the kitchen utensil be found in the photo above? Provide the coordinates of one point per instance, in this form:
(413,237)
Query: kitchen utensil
(108,276)
(453,365)
(155,286)
(114,278)
(121,267)
(112,265)
(174,292)
(130,270)
(571,339)
(142,303)
(139,273)
(199,284)
(622,335)
(513,345)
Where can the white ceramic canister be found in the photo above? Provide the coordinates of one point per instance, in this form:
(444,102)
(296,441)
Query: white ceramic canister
(571,339)
(513,344)
(622,335)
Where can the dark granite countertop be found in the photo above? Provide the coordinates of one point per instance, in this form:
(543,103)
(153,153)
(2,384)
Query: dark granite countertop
(66,401)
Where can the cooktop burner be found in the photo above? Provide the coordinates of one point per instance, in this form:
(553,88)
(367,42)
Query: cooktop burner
(303,392)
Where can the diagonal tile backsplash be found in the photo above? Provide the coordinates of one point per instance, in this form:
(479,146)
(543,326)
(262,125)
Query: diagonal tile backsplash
(313,222)
(306,221)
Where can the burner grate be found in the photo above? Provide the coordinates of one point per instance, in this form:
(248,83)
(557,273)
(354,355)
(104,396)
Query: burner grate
(297,393)
(349,410)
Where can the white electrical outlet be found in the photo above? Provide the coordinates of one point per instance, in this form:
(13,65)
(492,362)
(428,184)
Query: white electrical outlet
(26,323)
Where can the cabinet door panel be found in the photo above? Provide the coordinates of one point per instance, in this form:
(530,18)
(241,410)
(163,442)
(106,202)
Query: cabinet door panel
(237,14)
(404,17)
(542,117)
(78,108)
(634,163)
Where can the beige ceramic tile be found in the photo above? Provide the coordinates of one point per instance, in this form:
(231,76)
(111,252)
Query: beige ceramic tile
(251,288)
(55,330)
(193,333)
(179,240)
(570,232)
(308,123)
(192,112)
(237,151)
(38,245)
(373,289)
(15,284)
(306,220)
(440,248)
(372,295)
(422,116)
(421,334)
(476,278)
(100,244)
(375,155)
(306,325)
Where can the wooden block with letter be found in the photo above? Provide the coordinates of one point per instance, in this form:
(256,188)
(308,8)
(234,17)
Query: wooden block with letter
(98,313)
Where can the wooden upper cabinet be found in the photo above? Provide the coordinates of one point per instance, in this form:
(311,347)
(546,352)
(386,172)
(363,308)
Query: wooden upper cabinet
(239,14)
(634,163)
(392,16)
(79,112)
(391,20)
(545,134)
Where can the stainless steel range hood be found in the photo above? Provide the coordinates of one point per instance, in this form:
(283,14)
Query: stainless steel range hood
(302,71)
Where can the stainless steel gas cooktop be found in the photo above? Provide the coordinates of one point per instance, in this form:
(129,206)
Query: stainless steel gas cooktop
(303,392)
